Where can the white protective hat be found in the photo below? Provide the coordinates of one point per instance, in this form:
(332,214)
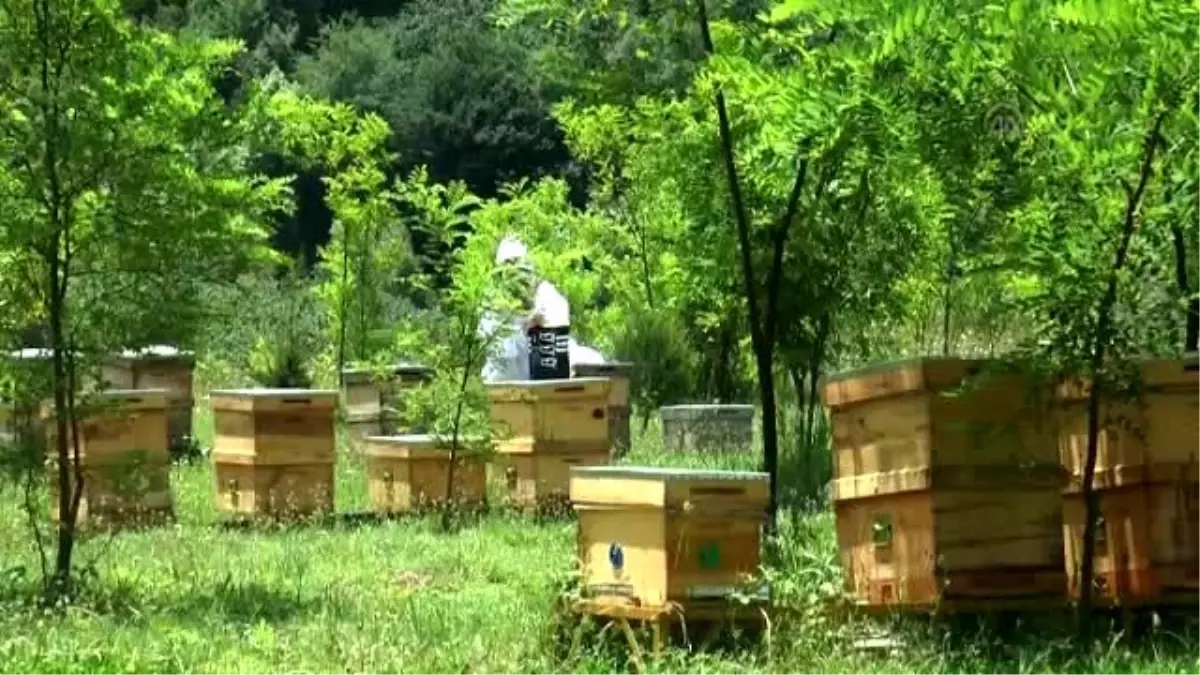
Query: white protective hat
(512,251)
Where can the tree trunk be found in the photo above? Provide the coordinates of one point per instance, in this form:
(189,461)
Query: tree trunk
(1100,341)
(1191,334)
(60,584)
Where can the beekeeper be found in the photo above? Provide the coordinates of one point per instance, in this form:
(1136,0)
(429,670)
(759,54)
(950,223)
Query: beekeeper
(541,304)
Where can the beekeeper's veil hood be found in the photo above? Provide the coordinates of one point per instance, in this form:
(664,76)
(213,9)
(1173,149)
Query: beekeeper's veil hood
(513,252)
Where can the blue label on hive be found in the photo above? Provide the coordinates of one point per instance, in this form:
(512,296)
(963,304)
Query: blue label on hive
(616,556)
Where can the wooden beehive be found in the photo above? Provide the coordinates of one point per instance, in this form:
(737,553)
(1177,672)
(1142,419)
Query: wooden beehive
(406,472)
(274,450)
(159,367)
(374,402)
(544,428)
(649,536)
(946,486)
(124,458)
(618,398)
(1146,479)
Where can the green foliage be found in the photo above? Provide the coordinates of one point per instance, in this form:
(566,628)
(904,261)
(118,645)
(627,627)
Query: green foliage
(125,185)
(665,366)
(368,259)
(456,92)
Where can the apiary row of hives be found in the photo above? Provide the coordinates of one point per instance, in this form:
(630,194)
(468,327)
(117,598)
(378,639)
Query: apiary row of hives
(958,484)
(274,450)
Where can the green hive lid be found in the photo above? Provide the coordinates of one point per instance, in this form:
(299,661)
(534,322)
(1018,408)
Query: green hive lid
(664,473)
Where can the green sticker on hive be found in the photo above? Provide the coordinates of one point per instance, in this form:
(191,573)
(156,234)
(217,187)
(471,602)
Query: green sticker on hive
(710,556)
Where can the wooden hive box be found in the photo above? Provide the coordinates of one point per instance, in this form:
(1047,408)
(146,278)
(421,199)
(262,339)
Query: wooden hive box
(374,402)
(650,536)
(618,374)
(159,367)
(946,498)
(1148,539)
(407,472)
(546,427)
(125,460)
(274,450)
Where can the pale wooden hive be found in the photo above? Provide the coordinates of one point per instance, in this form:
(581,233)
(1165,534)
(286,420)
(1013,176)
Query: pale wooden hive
(405,472)
(274,450)
(544,429)
(370,399)
(650,536)
(125,460)
(945,499)
(618,374)
(159,368)
(121,421)
(1148,541)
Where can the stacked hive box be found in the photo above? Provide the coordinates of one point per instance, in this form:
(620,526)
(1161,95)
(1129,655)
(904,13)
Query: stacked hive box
(1146,480)
(545,427)
(273,450)
(946,497)
(618,399)
(124,457)
(649,537)
(159,367)
(406,472)
(369,397)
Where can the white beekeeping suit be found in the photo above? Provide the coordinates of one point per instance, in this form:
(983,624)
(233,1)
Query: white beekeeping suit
(509,358)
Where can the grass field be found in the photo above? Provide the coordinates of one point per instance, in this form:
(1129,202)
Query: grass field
(401,596)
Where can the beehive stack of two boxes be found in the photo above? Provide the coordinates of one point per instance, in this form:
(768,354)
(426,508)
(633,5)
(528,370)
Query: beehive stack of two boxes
(1148,536)
(274,450)
(159,367)
(618,374)
(405,473)
(659,543)
(124,457)
(947,487)
(544,428)
(374,401)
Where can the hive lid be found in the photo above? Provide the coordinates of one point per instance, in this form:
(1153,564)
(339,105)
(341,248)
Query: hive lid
(892,378)
(707,490)
(265,397)
(545,384)
(412,446)
(706,411)
(402,369)
(666,473)
(157,352)
(122,399)
(268,392)
(606,368)
(582,387)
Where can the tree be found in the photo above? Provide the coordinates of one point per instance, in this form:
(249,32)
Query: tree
(458,94)
(123,177)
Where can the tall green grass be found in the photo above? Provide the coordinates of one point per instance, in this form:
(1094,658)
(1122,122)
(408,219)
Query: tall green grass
(403,596)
